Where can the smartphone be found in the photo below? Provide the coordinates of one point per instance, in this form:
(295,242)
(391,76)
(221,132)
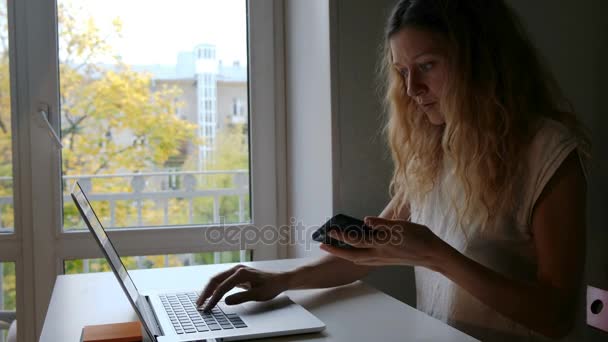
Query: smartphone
(353,227)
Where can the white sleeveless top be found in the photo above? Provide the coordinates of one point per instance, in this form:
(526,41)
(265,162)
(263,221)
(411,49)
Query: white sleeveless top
(508,248)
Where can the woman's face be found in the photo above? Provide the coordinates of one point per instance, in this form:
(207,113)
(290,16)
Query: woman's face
(419,56)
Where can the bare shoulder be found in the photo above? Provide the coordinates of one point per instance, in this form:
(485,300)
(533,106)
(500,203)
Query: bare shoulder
(559,226)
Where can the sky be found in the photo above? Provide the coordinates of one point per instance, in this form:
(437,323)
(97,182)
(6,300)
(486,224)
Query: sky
(154,31)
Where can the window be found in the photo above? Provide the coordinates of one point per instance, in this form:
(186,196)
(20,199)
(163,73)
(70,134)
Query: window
(8,296)
(237,107)
(107,87)
(9,250)
(6,146)
(155,261)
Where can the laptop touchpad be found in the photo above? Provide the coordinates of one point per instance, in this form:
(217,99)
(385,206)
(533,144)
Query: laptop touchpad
(252,308)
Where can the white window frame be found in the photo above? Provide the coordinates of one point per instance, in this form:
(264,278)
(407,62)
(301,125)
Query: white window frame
(40,246)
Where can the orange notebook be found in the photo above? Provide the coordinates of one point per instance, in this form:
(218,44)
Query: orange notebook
(117,332)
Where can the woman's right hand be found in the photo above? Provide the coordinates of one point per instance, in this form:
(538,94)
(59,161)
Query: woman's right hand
(260,286)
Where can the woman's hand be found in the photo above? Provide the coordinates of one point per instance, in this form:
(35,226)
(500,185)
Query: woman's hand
(393,242)
(260,286)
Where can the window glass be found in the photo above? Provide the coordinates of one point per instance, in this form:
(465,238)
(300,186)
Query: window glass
(6,147)
(142,99)
(8,293)
(156,261)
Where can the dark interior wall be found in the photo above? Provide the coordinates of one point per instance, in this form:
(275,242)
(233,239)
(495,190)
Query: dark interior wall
(573,38)
(571,35)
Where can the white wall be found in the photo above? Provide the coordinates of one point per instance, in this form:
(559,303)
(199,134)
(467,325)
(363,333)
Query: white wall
(336,163)
(309,119)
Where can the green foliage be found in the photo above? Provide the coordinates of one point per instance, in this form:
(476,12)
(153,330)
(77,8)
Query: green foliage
(6,168)
(231,154)
(113,119)
(152,261)
(8,286)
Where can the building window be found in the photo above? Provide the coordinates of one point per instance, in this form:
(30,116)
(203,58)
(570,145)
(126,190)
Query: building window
(237,107)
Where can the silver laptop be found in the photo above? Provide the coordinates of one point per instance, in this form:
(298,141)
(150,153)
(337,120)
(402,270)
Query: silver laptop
(172,315)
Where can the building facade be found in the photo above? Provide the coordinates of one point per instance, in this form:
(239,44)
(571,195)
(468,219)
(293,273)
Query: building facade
(213,96)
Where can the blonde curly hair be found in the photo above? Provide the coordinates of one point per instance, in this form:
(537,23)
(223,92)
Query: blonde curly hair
(497,92)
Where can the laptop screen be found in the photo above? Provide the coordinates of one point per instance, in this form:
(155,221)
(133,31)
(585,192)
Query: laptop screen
(97,229)
(92,221)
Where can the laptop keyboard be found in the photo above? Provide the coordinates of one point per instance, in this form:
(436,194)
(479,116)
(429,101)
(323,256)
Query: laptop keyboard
(186,319)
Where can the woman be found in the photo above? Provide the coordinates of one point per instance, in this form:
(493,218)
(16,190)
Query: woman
(488,192)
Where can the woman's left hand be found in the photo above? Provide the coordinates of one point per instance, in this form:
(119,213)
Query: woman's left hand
(394,242)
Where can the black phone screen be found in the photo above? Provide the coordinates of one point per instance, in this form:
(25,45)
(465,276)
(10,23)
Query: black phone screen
(351,226)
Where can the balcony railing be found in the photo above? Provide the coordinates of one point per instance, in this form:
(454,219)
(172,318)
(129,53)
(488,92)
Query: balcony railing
(159,187)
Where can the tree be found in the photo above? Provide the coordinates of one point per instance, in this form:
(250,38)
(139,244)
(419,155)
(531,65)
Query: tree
(6,169)
(112,119)
(231,153)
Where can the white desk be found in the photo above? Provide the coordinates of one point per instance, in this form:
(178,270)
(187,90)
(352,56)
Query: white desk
(354,312)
